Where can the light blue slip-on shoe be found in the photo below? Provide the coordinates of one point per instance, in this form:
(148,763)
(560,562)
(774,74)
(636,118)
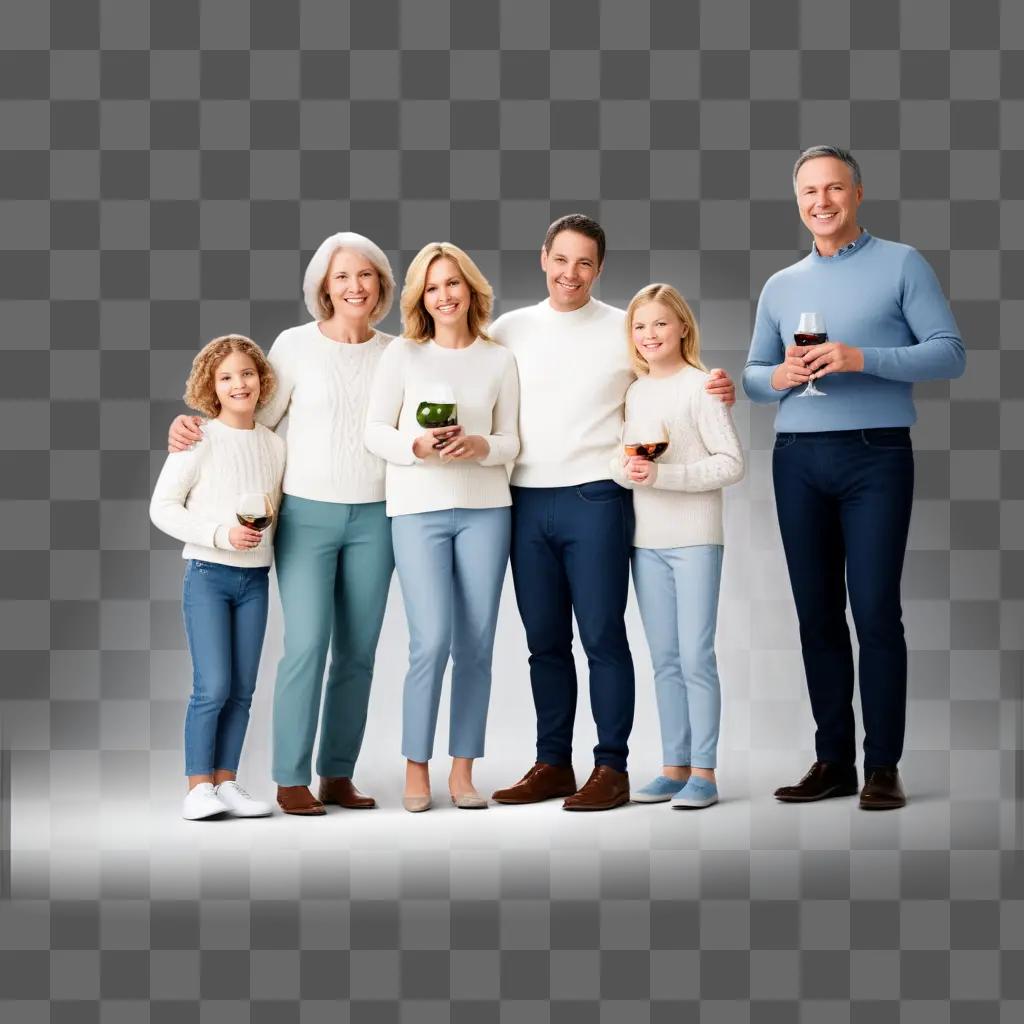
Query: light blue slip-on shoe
(658,790)
(697,792)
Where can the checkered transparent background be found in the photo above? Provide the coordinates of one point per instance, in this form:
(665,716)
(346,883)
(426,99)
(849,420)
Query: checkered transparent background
(165,171)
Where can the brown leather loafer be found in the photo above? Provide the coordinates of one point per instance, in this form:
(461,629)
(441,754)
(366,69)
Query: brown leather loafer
(342,792)
(541,782)
(822,781)
(298,800)
(606,788)
(882,791)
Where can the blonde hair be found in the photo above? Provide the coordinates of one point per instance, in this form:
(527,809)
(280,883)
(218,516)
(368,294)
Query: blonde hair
(417,323)
(314,281)
(689,343)
(200,390)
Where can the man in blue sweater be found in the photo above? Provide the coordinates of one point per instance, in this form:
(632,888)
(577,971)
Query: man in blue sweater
(843,464)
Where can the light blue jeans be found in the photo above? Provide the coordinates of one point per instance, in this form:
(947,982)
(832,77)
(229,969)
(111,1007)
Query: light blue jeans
(451,566)
(677,590)
(225,612)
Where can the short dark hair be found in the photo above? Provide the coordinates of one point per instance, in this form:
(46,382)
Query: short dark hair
(581,224)
(834,151)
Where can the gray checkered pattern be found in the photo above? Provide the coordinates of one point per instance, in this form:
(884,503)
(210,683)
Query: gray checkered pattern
(165,171)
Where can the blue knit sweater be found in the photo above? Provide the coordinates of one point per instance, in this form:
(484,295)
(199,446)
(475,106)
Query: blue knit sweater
(879,296)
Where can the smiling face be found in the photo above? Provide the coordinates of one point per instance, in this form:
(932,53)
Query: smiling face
(352,285)
(571,268)
(236,381)
(657,335)
(828,202)
(446,294)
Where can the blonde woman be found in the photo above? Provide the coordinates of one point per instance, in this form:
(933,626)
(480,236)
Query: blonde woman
(448,499)
(678,545)
(333,545)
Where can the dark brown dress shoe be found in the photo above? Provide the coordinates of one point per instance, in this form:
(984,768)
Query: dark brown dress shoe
(342,792)
(298,800)
(606,788)
(882,791)
(541,782)
(823,781)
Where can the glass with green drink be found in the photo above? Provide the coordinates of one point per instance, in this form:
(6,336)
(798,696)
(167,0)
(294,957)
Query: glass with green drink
(438,409)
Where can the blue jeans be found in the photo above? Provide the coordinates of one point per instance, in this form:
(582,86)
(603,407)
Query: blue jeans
(570,554)
(451,566)
(225,612)
(677,590)
(843,499)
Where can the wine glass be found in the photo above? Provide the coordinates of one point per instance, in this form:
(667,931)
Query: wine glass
(646,437)
(255,510)
(811,331)
(437,409)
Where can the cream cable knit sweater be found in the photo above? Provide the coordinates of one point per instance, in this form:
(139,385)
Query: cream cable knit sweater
(324,387)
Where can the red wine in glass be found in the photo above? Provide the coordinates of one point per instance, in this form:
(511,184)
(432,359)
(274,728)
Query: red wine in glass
(811,331)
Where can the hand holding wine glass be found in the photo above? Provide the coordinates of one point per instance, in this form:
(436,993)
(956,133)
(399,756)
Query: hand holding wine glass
(254,512)
(644,439)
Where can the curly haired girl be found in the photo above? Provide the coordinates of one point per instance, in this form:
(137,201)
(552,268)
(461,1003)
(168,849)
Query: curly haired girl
(203,497)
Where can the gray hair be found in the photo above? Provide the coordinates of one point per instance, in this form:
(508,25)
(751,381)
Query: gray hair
(313,282)
(834,151)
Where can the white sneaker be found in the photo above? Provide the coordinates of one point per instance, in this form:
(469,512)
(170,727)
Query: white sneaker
(239,803)
(202,802)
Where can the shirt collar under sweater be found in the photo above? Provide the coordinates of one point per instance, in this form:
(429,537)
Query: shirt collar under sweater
(847,250)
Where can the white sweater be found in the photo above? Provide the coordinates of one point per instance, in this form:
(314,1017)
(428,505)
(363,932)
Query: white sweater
(683,506)
(324,387)
(486,388)
(196,495)
(574,369)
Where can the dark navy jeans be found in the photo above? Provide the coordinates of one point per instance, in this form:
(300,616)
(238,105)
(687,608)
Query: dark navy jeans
(843,500)
(570,553)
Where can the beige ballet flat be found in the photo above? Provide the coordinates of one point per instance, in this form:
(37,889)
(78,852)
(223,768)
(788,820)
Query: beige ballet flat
(469,801)
(415,804)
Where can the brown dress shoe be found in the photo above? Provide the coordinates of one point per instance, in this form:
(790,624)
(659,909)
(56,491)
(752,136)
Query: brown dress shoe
(541,782)
(298,800)
(882,791)
(606,788)
(342,792)
(823,781)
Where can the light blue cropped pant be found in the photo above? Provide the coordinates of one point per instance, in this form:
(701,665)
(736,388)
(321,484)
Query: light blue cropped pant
(677,590)
(451,566)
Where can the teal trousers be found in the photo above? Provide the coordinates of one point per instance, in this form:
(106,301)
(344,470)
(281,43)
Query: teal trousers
(334,565)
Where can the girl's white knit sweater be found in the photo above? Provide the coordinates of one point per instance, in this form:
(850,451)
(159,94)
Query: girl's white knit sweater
(196,495)
(683,506)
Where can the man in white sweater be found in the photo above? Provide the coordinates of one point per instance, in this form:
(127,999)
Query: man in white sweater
(572,526)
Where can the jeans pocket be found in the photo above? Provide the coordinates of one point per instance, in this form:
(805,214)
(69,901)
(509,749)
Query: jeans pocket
(895,439)
(600,492)
(784,441)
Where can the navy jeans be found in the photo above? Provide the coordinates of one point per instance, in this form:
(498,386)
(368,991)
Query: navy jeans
(844,499)
(225,610)
(570,553)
